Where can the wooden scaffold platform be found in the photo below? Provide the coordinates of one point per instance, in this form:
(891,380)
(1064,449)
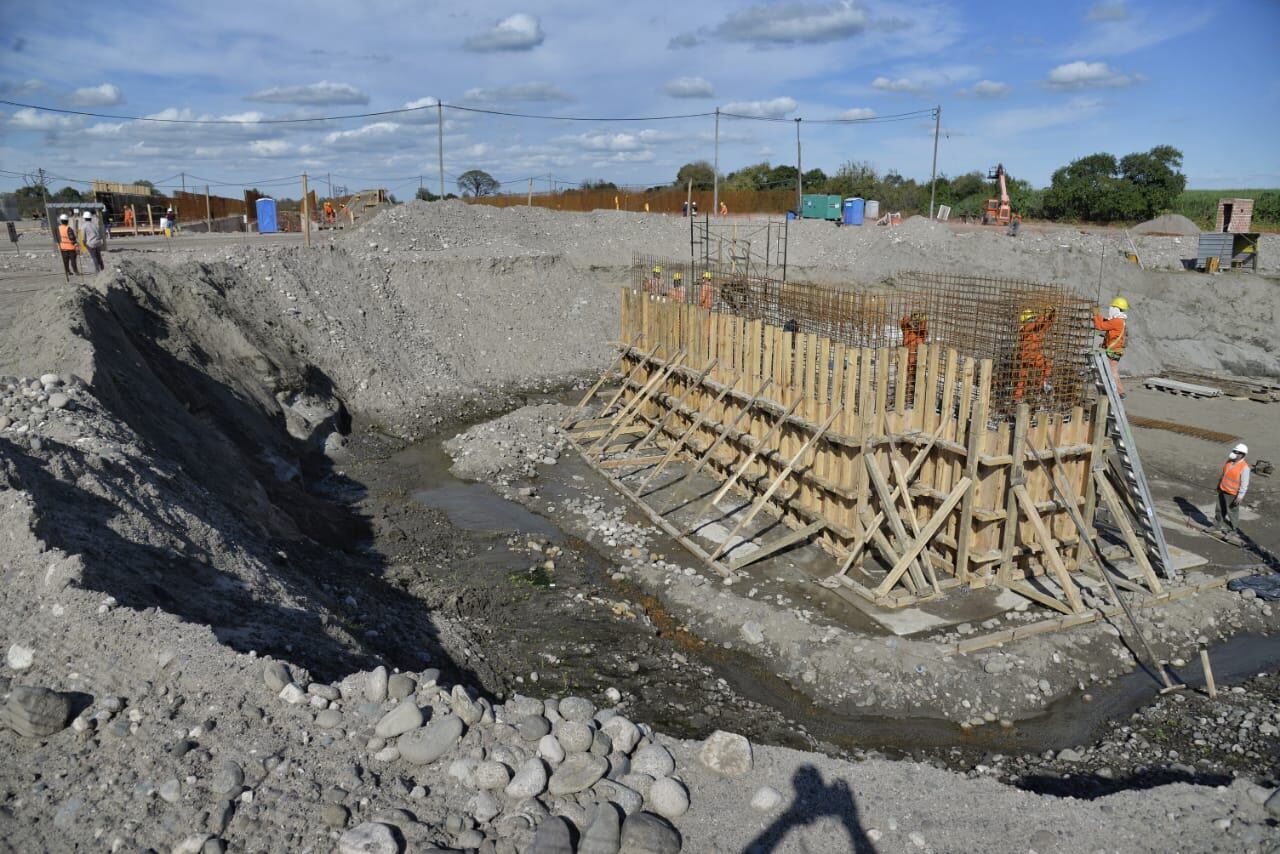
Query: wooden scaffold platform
(940,434)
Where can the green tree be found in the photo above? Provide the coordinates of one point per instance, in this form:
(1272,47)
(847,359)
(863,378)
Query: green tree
(815,178)
(781,177)
(66,194)
(754,177)
(700,172)
(1156,176)
(854,179)
(143,182)
(424,195)
(598,184)
(476,182)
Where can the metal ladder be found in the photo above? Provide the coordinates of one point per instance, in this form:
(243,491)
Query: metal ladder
(1129,466)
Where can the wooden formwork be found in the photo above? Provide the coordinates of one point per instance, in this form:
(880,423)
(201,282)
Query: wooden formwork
(867,450)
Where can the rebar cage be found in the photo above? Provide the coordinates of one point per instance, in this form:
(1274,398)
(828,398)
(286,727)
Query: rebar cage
(1038,336)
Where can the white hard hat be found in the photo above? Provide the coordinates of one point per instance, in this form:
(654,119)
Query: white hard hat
(88,215)
(62,218)
(1242,449)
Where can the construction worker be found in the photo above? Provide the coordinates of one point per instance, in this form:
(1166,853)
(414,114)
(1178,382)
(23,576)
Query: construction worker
(653,282)
(329,216)
(615,203)
(677,287)
(1114,335)
(646,207)
(94,241)
(724,209)
(1029,362)
(706,291)
(1232,487)
(915,331)
(67,246)
(128,217)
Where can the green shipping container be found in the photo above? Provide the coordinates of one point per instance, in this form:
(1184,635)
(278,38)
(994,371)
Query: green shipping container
(820,206)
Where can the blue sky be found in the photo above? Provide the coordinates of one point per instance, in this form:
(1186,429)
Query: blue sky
(1030,85)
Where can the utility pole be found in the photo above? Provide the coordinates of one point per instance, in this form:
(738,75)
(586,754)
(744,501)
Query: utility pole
(53,229)
(933,179)
(799,173)
(530,192)
(184,182)
(329,178)
(208,214)
(715,180)
(440,142)
(306,213)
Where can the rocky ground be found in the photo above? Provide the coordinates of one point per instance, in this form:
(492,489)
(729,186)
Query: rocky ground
(229,625)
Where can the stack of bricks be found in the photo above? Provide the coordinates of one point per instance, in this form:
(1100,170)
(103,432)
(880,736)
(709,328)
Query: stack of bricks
(1241,216)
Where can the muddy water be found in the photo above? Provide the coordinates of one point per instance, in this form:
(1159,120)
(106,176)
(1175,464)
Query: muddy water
(728,689)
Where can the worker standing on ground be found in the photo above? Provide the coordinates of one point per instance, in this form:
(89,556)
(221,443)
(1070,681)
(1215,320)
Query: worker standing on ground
(706,291)
(1114,329)
(67,246)
(1030,363)
(128,217)
(677,287)
(94,241)
(653,282)
(724,209)
(915,331)
(1232,487)
(328,213)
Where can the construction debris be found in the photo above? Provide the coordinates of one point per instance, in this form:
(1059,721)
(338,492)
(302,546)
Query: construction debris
(1184,389)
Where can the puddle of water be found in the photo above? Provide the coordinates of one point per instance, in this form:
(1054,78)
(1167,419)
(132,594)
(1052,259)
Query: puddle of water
(477,507)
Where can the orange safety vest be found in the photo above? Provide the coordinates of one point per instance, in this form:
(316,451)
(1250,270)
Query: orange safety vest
(66,238)
(1113,339)
(1231,474)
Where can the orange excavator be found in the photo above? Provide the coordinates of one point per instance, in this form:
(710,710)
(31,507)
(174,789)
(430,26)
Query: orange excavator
(998,211)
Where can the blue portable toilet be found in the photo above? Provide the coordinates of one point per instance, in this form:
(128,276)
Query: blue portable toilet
(853,209)
(267,216)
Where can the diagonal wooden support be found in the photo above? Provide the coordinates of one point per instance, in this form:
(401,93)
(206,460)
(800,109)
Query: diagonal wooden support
(679,404)
(902,491)
(1049,548)
(729,427)
(936,521)
(684,438)
(636,402)
(626,381)
(890,510)
(755,452)
(569,419)
(770,549)
(1024,588)
(1136,548)
(777,481)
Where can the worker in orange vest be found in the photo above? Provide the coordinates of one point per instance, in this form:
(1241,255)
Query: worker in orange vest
(915,331)
(707,291)
(67,245)
(724,209)
(677,287)
(1232,487)
(128,217)
(328,212)
(1030,363)
(653,283)
(1114,329)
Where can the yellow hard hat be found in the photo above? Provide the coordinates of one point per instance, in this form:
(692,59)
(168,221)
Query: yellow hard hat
(919,316)
(677,276)
(1027,316)
(707,274)
(657,269)
(1120,303)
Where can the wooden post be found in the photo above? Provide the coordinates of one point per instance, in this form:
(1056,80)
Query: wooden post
(1017,477)
(151,221)
(306,213)
(530,204)
(569,419)
(977,444)
(936,521)
(1208,673)
(208,215)
(693,428)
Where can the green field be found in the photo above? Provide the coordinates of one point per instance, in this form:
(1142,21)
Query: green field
(1201,206)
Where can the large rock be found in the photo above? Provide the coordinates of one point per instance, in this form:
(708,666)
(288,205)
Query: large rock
(654,760)
(37,712)
(375,686)
(646,833)
(574,736)
(604,830)
(669,797)
(432,741)
(552,837)
(578,773)
(276,674)
(726,753)
(369,838)
(1273,804)
(530,780)
(399,720)
(533,727)
(577,709)
(624,733)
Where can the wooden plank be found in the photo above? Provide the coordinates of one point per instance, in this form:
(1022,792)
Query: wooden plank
(1050,554)
(773,487)
(630,375)
(1136,546)
(890,510)
(680,443)
(625,462)
(977,426)
(688,391)
(659,377)
(1017,476)
(903,491)
(772,548)
(569,419)
(1023,588)
(935,522)
(605,431)
(760,443)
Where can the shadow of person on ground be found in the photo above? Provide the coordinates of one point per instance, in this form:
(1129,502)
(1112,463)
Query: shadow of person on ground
(814,799)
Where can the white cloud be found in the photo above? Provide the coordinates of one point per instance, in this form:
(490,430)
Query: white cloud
(532,91)
(988,89)
(1108,12)
(689,87)
(29,119)
(271,148)
(1088,75)
(794,22)
(1119,35)
(104,95)
(898,85)
(1010,123)
(913,81)
(858,113)
(480,149)
(516,32)
(772,109)
(23,89)
(311,94)
(363,134)
(420,103)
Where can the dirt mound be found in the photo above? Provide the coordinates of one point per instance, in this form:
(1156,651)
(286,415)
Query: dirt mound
(1167,225)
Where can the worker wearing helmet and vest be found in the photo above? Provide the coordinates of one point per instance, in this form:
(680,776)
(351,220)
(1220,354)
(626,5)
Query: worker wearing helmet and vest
(1232,487)
(915,331)
(706,291)
(67,246)
(1114,329)
(1030,363)
(653,282)
(677,291)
